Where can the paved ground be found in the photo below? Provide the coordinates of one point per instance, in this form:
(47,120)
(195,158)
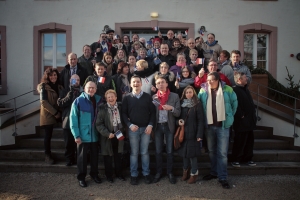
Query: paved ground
(65,186)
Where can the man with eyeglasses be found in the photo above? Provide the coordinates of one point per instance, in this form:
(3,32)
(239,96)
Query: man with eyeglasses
(219,104)
(202,76)
(102,46)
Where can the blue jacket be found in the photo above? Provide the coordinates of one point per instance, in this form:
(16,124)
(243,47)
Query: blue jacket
(230,101)
(83,117)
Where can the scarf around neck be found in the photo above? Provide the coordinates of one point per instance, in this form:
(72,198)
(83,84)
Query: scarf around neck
(189,103)
(54,86)
(114,116)
(212,44)
(180,64)
(220,106)
(163,98)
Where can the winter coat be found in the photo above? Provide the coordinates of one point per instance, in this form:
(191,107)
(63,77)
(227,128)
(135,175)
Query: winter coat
(174,51)
(210,51)
(105,127)
(49,107)
(100,54)
(199,81)
(87,64)
(243,68)
(230,101)
(83,118)
(169,59)
(173,100)
(183,83)
(245,116)
(170,77)
(65,100)
(187,54)
(65,75)
(147,77)
(176,69)
(117,78)
(193,129)
(101,87)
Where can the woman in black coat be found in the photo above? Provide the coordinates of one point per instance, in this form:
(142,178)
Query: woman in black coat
(192,117)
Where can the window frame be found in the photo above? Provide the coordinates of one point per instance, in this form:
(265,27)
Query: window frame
(37,46)
(3,89)
(272,31)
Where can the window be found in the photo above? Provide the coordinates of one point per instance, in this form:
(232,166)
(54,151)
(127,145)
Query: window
(51,44)
(256,49)
(3,75)
(54,50)
(258,43)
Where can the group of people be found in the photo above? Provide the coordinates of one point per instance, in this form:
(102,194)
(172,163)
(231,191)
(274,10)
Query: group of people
(120,89)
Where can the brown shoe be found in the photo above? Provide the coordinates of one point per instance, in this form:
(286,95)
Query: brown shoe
(193,178)
(49,160)
(185,174)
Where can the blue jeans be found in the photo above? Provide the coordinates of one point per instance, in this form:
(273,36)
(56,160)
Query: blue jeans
(139,142)
(217,144)
(160,131)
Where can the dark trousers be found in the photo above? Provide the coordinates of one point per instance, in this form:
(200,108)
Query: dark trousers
(70,146)
(242,149)
(82,152)
(116,158)
(47,139)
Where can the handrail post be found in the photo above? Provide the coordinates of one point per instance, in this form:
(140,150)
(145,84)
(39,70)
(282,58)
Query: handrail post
(295,117)
(257,117)
(15,116)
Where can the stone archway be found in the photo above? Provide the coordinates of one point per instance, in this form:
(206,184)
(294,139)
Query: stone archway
(155,23)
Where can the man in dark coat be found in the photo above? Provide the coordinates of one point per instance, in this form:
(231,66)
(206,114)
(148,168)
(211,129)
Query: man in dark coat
(244,123)
(164,56)
(166,112)
(102,46)
(72,68)
(87,60)
(65,100)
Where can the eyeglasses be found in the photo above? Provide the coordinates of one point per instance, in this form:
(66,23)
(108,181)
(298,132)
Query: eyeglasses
(185,71)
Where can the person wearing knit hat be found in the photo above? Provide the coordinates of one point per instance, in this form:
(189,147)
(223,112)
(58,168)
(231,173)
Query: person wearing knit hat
(110,35)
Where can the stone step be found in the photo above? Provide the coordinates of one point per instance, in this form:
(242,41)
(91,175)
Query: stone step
(57,133)
(56,143)
(58,154)
(270,144)
(262,134)
(262,168)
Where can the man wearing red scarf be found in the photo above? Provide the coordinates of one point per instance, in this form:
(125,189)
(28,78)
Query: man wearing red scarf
(167,109)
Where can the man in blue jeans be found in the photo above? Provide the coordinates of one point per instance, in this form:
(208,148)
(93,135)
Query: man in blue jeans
(138,113)
(167,108)
(219,104)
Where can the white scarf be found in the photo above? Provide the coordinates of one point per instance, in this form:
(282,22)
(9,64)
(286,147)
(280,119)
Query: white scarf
(220,106)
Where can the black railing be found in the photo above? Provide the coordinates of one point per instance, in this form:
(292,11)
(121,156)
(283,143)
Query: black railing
(15,108)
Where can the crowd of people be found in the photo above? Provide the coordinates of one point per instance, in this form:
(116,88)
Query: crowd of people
(142,91)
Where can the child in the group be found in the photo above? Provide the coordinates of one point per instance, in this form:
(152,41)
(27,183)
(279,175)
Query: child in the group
(108,62)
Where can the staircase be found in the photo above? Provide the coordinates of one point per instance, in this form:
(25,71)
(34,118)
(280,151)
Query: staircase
(272,156)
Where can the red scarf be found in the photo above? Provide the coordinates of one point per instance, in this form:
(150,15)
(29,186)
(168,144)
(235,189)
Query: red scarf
(180,64)
(163,98)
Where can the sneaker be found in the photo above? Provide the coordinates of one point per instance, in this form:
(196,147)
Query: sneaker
(148,179)
(209,177)
(235,164)
(251,163)
(134,180)
(224,184)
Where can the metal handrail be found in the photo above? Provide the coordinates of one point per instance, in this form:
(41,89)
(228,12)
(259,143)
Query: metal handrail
(295,135)
(16,108)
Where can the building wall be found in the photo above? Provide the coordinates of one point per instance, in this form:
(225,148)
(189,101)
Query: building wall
(88,18)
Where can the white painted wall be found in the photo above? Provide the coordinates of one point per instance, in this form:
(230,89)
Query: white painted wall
(280,127)
(88,18)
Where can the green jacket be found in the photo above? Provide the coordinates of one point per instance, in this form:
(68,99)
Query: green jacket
(230,101)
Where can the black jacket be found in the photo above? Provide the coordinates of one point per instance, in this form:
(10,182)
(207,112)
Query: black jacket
(171,60)
(117,78)
(193,129)
(101,87)
(187,54)
(65,75)
(87,64)
(245,109)
(65,100)
(170,77)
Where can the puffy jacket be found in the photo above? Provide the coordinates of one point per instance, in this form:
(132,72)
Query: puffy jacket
(83,117)
(230,101)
